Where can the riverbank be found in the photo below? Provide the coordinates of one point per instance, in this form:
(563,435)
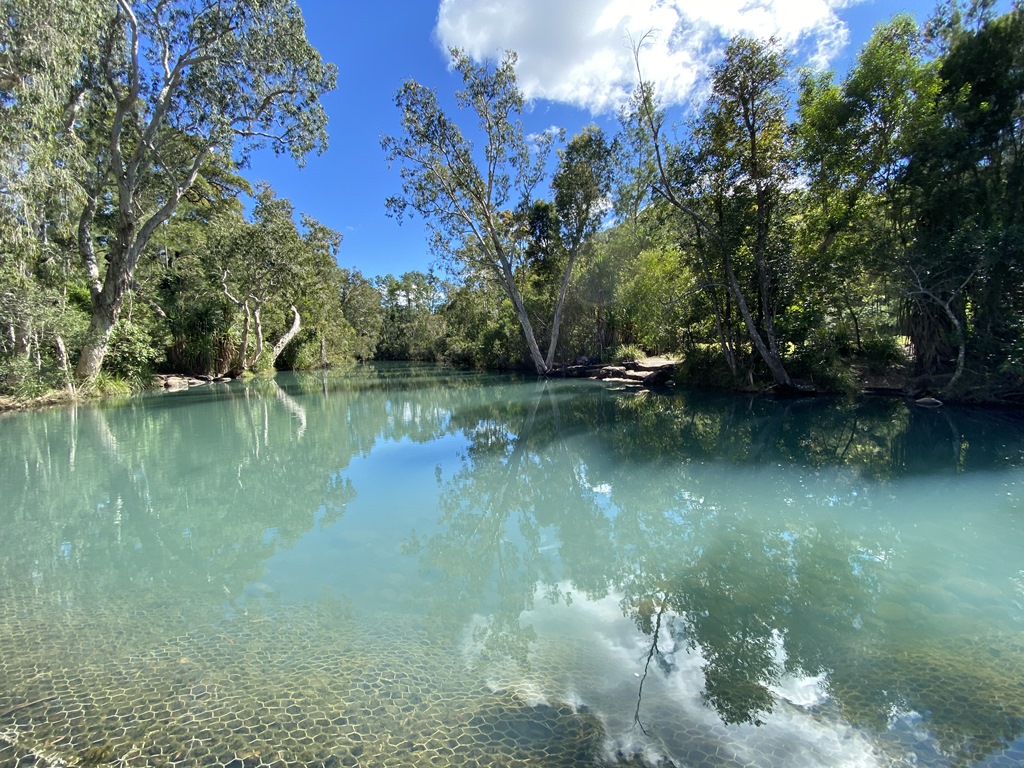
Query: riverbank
(658,373)
(167,382)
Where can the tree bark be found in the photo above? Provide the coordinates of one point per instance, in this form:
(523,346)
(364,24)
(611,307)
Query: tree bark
(557,321)
(257,324)
(107,299)
(243,350)
(507,281)
(97,340)
(531,340)
(961,355)
(770,357)
(64,364)
(284,340)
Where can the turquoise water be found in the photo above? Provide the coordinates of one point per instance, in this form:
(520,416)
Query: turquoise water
(407,566)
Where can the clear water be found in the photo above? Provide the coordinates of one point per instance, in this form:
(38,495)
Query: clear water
(404,566)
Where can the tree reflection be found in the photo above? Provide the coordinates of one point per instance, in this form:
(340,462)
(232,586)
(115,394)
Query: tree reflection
(191,493)
(756,577)
(488,549)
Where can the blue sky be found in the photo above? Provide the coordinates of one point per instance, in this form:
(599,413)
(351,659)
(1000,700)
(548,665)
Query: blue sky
(572,66)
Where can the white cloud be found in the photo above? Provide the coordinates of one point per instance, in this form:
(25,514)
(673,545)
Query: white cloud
(578,51)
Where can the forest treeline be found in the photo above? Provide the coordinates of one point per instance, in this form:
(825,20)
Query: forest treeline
(799,229)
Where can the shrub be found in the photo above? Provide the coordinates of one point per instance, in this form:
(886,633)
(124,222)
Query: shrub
(819,362)
(20,379)
(704,366)
(107,384)
(131,354)
(625,353)
(882,352)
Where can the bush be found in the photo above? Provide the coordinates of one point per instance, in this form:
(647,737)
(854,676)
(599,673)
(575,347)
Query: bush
(106,384)
(819,362)
(705,366)
(626,353)
(20,379)
(131,354)
(882,353)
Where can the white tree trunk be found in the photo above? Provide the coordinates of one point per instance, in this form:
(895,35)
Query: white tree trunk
(284,340)
(557,321)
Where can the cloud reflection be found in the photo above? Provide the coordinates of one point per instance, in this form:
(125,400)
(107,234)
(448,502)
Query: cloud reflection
(587,655)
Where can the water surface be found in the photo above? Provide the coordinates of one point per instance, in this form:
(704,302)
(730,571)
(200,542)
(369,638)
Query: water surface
(406,566)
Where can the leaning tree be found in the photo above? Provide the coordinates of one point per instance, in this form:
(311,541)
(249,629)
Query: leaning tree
(477,201)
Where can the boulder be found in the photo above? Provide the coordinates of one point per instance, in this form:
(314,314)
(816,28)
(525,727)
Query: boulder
(658,376)
(622,381)
(611,371)
(653,364)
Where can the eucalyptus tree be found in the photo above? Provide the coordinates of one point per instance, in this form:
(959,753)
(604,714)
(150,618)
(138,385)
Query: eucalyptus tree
(582,186)
(361,308)
(175,83)
(477,204)
(471,203)
(43,44)
(261,266)
(729,182)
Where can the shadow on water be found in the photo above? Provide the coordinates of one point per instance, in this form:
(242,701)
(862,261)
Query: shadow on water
(616,564)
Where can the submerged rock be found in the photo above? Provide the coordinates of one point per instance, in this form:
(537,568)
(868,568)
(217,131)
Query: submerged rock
(175,383)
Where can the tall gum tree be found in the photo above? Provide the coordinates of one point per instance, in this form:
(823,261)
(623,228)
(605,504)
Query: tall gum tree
(729,185)
(175,83)
(582,187)
(476,202)
(267,265)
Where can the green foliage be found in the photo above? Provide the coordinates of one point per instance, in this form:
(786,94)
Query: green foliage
(705,367)
(888,216)
(474,210)
(483,331)
(412,325)
(203,342)
(220,81)
(315,350)
(107,385)
(362,308)
(625,353)
(132,355)
(284,284)
(23,379)
(655,299)
(882,352)
(818,361)
(729,190)
(480,210)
